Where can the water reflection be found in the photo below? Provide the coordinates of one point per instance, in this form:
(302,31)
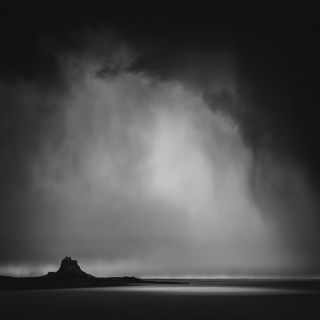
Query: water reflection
(206,290)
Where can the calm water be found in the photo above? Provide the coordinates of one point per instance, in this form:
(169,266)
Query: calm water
(161,302)
(206,290)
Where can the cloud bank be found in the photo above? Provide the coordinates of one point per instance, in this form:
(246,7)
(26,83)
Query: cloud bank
(135,174)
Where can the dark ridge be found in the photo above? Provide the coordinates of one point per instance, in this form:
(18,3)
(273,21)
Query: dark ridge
(69,275)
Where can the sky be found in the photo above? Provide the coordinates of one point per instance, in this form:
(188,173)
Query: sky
(170,142)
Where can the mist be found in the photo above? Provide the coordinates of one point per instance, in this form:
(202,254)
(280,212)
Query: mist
(133,173)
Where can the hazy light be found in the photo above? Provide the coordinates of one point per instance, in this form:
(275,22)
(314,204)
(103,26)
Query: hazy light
(142,177)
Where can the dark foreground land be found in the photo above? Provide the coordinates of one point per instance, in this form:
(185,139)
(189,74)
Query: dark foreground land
(51,282)
(161,302)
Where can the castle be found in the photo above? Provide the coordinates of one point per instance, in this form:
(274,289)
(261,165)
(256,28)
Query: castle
(69,268)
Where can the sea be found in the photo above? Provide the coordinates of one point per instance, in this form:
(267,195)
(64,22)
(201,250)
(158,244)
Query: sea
(162,302)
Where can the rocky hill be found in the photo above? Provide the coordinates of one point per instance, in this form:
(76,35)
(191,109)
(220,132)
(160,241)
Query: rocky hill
(69,275)
(69,269)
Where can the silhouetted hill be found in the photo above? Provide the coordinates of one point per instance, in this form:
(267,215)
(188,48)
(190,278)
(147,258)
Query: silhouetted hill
(69,275)
(69,269)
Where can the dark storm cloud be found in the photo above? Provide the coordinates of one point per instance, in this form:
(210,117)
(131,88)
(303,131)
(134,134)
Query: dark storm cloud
(262,74)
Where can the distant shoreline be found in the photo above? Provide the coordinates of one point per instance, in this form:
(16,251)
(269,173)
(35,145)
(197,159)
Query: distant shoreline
(46,282)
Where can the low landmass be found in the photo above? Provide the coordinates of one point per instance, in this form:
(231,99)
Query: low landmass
(70,275)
